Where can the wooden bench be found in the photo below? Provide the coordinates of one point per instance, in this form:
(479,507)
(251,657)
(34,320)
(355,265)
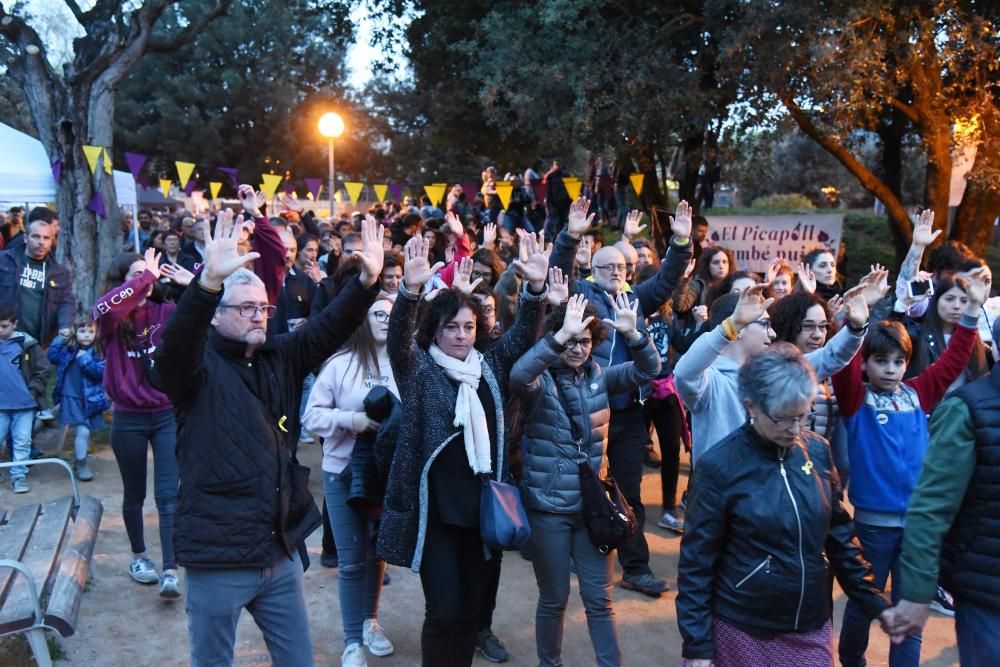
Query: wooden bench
(45,552)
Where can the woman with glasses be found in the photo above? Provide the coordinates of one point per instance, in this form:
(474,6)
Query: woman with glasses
(336,413)
(767,531)
(567,412)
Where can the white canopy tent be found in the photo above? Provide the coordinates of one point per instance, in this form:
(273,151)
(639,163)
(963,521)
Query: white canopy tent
(26,176)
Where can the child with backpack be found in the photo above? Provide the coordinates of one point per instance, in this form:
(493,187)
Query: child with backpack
(79,390)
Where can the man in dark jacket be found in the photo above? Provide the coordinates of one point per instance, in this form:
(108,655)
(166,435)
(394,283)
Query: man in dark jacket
(627,434)
(244,509)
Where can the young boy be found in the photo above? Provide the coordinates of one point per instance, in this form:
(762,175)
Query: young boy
(23,370)
(886,423)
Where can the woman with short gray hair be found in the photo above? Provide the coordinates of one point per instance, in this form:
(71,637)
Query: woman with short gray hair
(767,531)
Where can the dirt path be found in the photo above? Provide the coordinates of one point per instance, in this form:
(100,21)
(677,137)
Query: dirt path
(123,623)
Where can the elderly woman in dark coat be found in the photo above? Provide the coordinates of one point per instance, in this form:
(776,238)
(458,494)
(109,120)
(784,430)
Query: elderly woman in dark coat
(453,385)
(767,532)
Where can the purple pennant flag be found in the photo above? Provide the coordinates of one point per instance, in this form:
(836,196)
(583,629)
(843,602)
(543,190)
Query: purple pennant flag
(97,205)
(135,163)
(289,188)
(396,191)
(189,188)
(541,190)
(144,182)
(57,170)
(470,188)
(231,172)
(314,184)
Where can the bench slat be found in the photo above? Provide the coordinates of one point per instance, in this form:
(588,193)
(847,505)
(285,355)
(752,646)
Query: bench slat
(13,541)
(40,558)
(64,602)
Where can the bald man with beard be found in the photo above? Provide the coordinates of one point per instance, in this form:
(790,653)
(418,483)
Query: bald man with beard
(627,435)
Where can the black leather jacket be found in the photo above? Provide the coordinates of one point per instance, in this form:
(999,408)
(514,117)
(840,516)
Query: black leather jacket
(766,531)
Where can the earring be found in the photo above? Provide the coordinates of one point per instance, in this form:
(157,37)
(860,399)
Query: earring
(751,421)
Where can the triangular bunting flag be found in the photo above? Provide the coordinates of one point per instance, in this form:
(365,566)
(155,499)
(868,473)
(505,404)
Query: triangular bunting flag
(231,172)
(504,190)
(184,170)
(93,153)
(573,186)
(189,188)
(97,205)
(57,171)
(165,184)
(270,184)
(314,185)
(354,190)
(214,187)
(396,191)
(637,179)
(108,169)
(380,190)
(135,162)
(436,193)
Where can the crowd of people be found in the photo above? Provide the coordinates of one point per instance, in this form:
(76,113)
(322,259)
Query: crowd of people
(441,354)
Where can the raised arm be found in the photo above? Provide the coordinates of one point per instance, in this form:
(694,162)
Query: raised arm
(844,346)
(401,342)
(528,322)
(270,266)
(462,249)
(564,251)
(525,375)
(646,364)
(655,291)
(111,309)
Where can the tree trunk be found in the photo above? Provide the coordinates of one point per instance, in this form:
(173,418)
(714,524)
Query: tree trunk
(981,201)
(891,131)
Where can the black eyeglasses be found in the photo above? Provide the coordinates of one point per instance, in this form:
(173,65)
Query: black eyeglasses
(582,343)
(613,268)
(792,422)
(380,316)
(249,310)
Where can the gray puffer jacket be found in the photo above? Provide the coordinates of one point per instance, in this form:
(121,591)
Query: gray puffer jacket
(551,480)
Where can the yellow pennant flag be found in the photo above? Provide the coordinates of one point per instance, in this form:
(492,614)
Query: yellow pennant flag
(93,154)
(435,193)
(270,184)
(107,162)
(214,187)
(637,179)
(184,170)
(354,190)
(504,190)
(380,190)
(573,186)
(165,184)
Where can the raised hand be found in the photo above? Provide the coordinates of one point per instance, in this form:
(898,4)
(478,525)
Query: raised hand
(772,269)
(533,264)
(574,323)
(220,254)
(152,259)
(291,203)
(454,224)
(417,269)
(856,306)
(463,277)
(558,286)
(700,314)
(903,292)
(632,226)
(751,306)
(977,288)
(251,200)
(836,304)
(690,268)
(489,235)
(626,316)
(177,274)
(680,222)
(372,252)
(583,251)
(923,229)
(579,222)
(875,284)
(806,278)
(313,271)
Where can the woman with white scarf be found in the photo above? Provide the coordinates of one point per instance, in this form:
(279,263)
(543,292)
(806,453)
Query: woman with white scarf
(453,385)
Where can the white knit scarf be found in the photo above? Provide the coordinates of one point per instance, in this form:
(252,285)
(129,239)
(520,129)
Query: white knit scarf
(469,413)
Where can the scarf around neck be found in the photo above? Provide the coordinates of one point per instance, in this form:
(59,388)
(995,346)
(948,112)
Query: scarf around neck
(469,412)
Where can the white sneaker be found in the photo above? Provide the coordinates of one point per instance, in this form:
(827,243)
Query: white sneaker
(354,656)
(142,570)
(375,639)
(671,523)
(44,415)
(169,588)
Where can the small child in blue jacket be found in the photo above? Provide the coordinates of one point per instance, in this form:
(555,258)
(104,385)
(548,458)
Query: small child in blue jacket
(79,387)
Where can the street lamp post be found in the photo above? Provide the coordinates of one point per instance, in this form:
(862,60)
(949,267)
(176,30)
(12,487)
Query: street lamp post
(331,126)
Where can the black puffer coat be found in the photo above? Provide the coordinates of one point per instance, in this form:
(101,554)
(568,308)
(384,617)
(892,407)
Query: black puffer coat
(766,531)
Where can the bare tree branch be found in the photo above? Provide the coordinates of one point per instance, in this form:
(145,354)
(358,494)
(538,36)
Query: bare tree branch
(77,12)
(190,32)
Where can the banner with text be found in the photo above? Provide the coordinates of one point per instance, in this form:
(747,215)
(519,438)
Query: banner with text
(757,239)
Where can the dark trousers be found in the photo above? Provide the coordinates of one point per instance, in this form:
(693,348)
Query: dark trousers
(132,433)
(456,578)
(627,437)
(665,416)
(490,599)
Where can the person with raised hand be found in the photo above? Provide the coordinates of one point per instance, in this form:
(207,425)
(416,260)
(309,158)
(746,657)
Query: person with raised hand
(887,435)
(453,385)
(628,435)
(566,394)
(244,509)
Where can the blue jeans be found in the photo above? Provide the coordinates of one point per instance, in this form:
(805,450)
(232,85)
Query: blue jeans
(359,576)
(274,596)
(19,423)
(131,435)
(881,547)
(978,639)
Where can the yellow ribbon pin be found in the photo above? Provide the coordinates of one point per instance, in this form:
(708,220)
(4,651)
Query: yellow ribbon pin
(807,468)
(281,423)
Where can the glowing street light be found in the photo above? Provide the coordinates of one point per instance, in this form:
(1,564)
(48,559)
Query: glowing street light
(331,126)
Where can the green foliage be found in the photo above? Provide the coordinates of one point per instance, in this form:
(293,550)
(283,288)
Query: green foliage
(16,652)
(784,202)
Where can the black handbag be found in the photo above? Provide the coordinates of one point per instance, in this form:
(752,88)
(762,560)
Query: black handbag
(609,518)
(367,486)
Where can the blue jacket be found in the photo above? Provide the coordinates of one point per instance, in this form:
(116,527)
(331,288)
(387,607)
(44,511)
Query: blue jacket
(92,365)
